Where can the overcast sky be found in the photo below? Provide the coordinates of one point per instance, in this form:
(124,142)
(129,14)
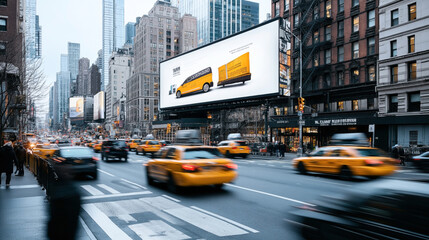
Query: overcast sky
(80,21)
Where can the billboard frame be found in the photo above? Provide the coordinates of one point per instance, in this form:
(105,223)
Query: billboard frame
(278,19)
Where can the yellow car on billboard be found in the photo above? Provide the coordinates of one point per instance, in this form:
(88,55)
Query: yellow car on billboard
(198,82)
(238,70)
(185,166)
(347,161)
(234,148)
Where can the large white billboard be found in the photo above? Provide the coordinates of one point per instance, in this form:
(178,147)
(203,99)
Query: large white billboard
(243,66)
(76,107)
(99,106)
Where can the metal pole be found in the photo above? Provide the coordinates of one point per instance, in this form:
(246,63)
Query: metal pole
(300,95)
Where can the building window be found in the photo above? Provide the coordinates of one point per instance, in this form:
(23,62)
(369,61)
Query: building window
(328,33)
(2,49)
(340,6)
(328,8)
(355,3)
(411,44)
(3,2)
(393,103)
(296,20)
(327,80)
(355,76)
(340,106)
(295,42)
(355,23)
(277,9)
(394,74)
(295,2)
(316,36)
(340,53)
(355,106)
(340,28)
(3,24)
(355,50)
(414,136)
(370,104)
(393,48)
(371,73)
(412,12)
(315,84)
(414,102)
(340,79)
(286,5)
(394,17)
(371,46)
(315,13)
(371,18)
(412,70)
(316,60)
(328,56)
(296,63)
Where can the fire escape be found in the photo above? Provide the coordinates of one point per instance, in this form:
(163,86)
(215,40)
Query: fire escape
(308,28)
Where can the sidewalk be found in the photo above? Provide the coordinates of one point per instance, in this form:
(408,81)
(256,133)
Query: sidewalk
(24,209)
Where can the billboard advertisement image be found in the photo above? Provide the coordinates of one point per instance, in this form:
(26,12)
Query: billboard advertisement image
(242,66)
(99,106)
(76,107)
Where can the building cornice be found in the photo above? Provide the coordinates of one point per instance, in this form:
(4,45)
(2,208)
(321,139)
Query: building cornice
(402,57)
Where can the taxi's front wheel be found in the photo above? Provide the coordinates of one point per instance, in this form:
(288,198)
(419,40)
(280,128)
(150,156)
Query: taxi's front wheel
(346,173)
(171,184)
(149,179)
(301,168)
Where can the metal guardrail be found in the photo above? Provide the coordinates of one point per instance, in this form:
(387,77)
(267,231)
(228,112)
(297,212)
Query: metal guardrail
(42,169)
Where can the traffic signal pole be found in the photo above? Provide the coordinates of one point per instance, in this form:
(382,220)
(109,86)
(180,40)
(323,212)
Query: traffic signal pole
(300,96)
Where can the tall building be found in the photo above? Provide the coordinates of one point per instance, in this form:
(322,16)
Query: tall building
(73,65)
(62,94)
(119,72)
(83,82)
(38,38)
(403,89)
(113,34)
(165,27)
(30,29)
(215,19)
(95,80)
(50,117)
(339,49)
(130,32)
(250,14)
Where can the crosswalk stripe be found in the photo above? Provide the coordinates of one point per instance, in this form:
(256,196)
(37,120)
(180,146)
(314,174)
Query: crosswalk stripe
(117,195)
(107,188)
(156,230)
(92,190)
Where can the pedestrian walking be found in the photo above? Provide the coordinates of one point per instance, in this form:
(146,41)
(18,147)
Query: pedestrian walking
(398,153)
(276,148)
(7,159)
(282,149)
(270,148)
(21,156)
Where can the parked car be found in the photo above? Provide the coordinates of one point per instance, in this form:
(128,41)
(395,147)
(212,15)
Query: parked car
(384,209)
(80,160)
(422,161)
(115,149)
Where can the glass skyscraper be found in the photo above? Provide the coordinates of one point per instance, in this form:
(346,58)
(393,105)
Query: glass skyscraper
(30,29)
(215,18)
(130,32)
(113,34)
(250,14)
(73,59)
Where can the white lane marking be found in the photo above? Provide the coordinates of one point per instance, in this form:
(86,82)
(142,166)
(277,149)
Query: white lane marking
(133,183)
(92,190)
(107,188)
(116,195)
(171,198)
(87,230)
(270,165)
(271,195)
(157,230)
(206,222)
(24,186)
(226,220)
(106,173)
(417,174)
(113,231)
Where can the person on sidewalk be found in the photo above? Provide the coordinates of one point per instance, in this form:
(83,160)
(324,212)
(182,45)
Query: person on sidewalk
(282,149)
(20,154)
(7,159)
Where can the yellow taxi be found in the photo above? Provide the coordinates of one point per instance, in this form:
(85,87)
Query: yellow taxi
(92,143)
(347,161)
(185,166)
(97,146)
(45,150)
(148,146)
(198,82)
(133,144)
(232,148)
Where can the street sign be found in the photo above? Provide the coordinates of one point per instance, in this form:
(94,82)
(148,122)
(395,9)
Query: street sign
(302,122)
(371,128)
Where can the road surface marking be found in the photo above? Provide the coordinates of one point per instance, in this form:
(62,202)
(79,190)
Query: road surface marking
(133,183)
(157,230)
(106,173)
(107,188)
(227,220)
(87,230)
(270,165)
(116,195)
(25,186)
(171,198)
(270,194)
(113,231)
(92,190)
(417,174)
(206,222)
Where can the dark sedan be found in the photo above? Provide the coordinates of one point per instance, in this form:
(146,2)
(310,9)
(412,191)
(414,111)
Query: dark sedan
(116,149)
(422,161)
(79,160)
(385,209)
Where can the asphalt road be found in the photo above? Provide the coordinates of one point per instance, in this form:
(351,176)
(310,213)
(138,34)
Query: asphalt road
(120,205)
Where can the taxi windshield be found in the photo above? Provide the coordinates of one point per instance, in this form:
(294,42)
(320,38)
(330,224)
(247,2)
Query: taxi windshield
(201,153)
(369,152)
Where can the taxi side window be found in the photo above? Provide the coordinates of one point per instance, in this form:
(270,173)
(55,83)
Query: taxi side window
(171,154)
(336,153)
(344,153)
(319,153)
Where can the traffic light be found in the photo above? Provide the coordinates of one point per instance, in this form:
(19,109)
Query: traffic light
(301,103)
(168,128)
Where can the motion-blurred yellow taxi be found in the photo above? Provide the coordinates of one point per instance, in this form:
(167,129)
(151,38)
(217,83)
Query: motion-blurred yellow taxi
(234,148)
(45,150)
(148,146)
(91,144)
(347,161)
(133,144)
(97,146)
